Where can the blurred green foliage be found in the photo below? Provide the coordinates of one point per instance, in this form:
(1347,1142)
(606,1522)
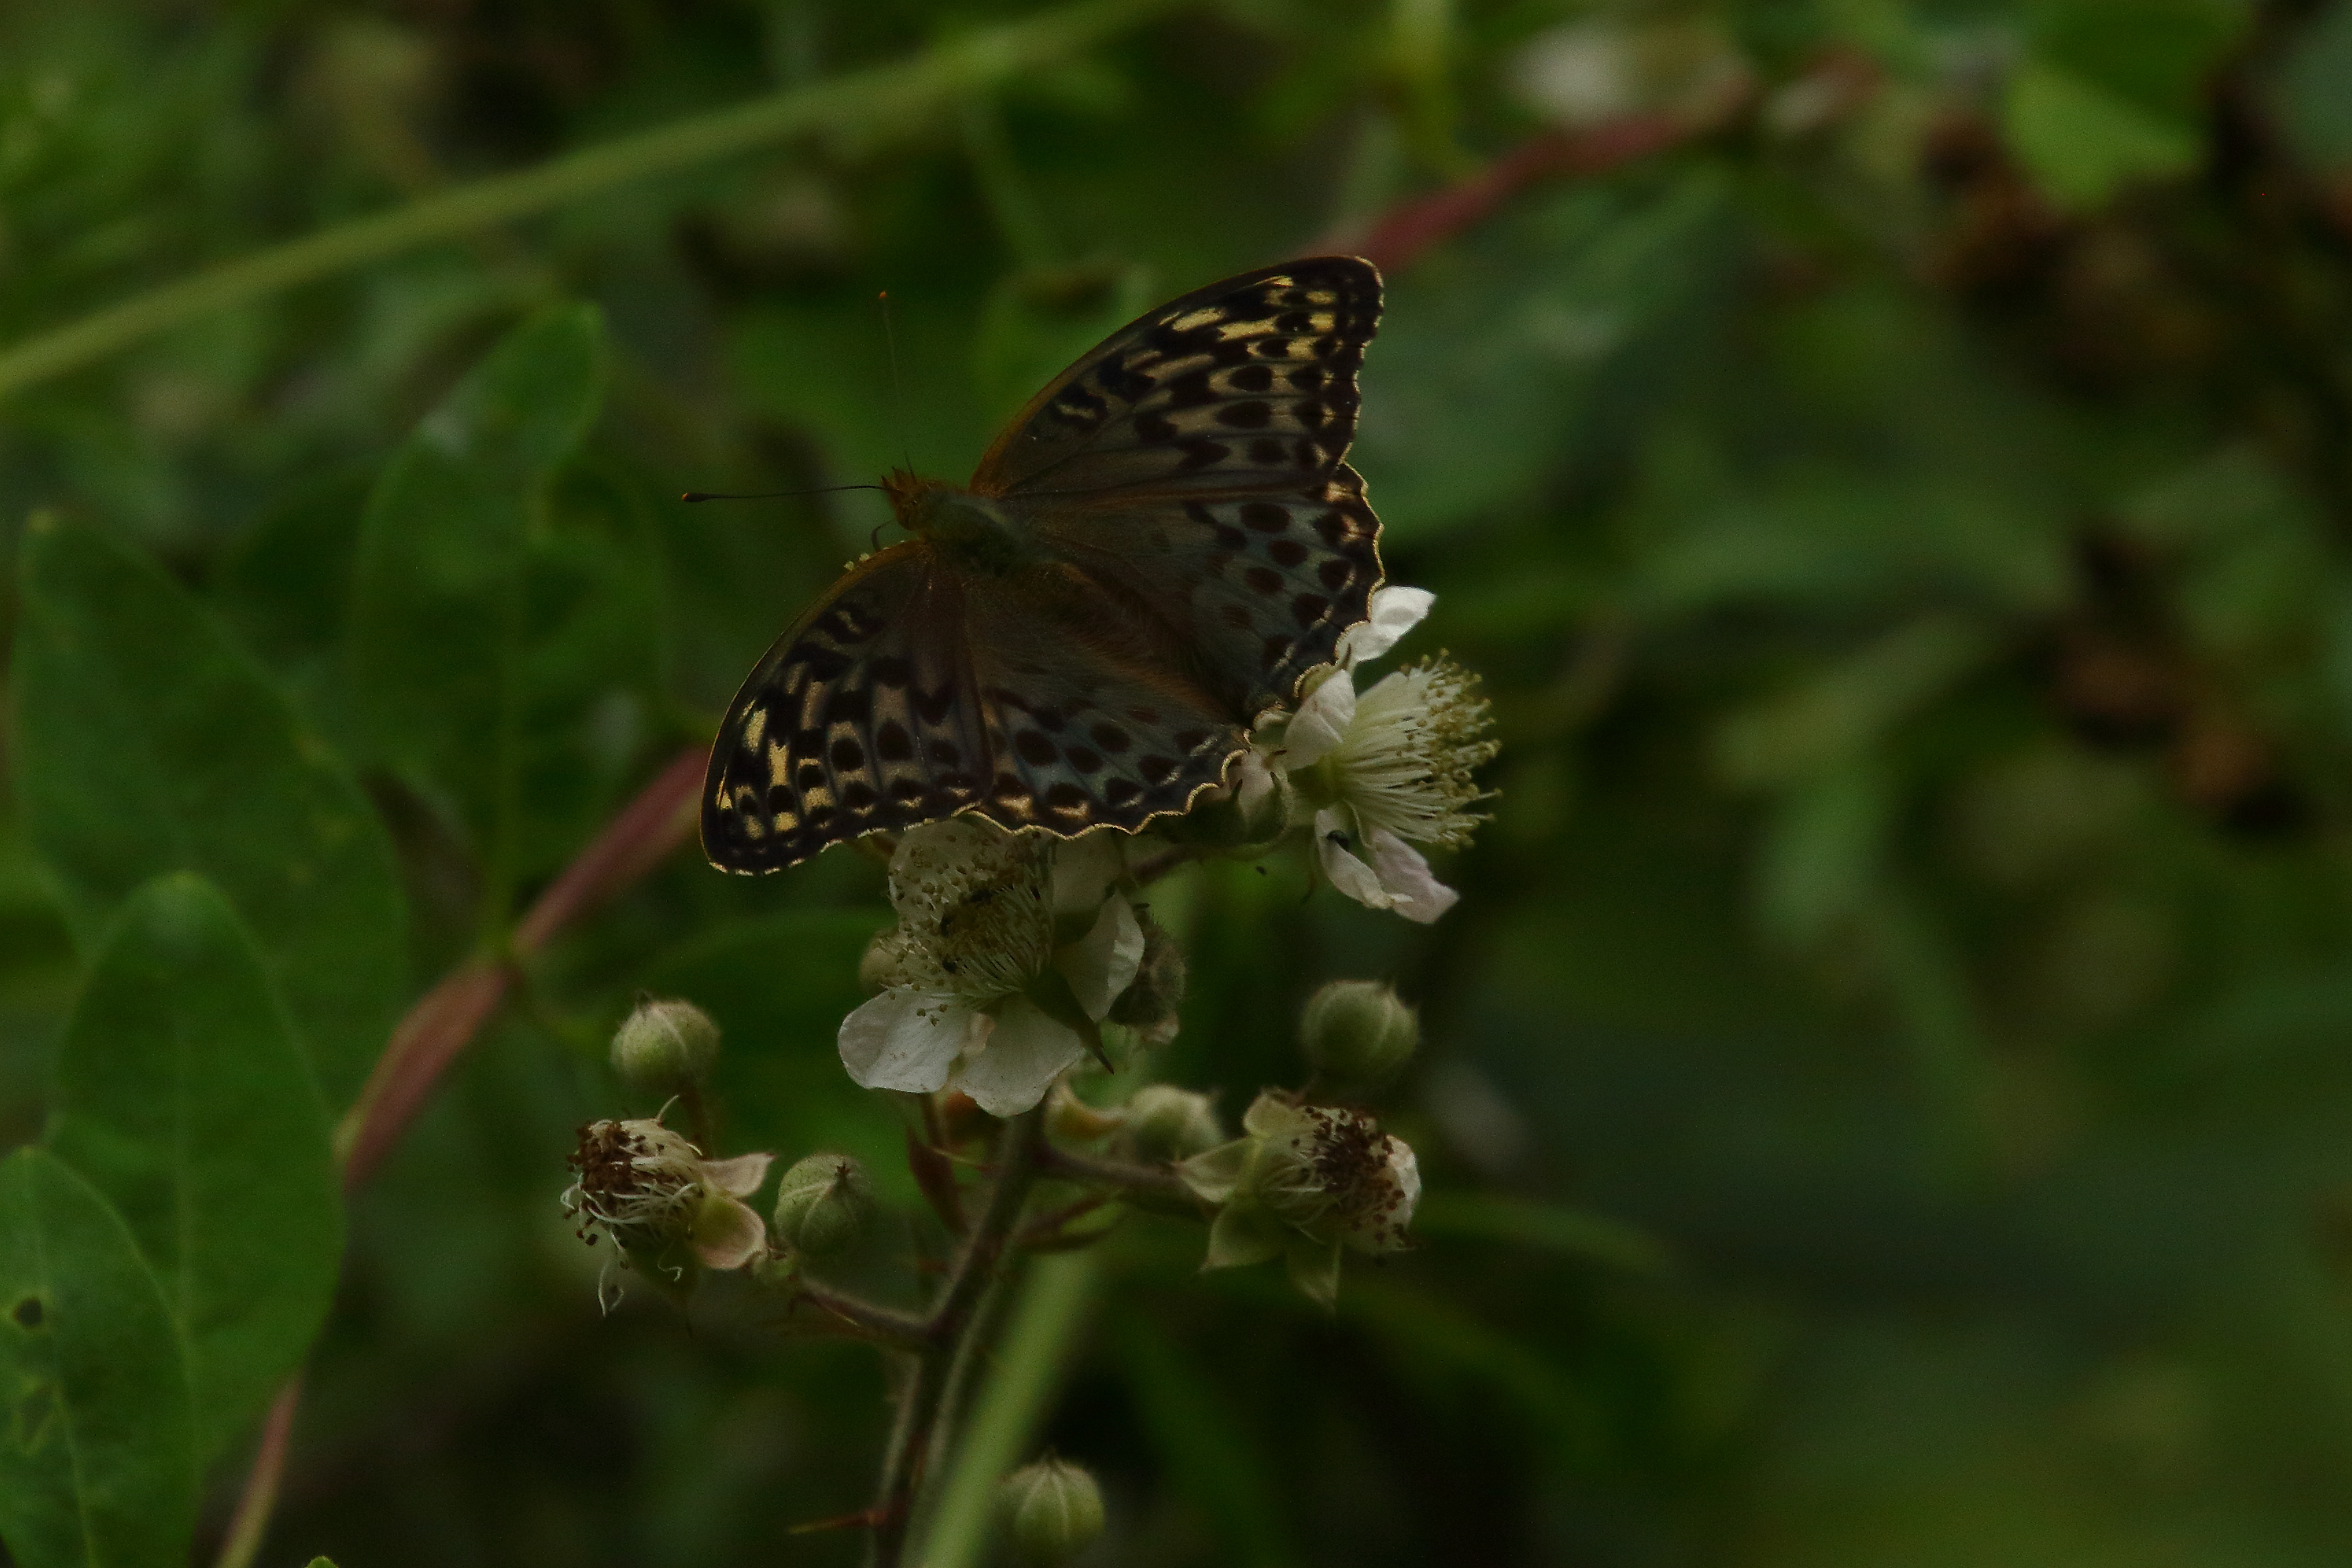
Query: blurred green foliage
(1888,1097)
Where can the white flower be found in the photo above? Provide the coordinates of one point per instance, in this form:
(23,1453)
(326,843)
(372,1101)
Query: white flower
(983,986)
(1304,1181)
(644,1188)
(1390,768)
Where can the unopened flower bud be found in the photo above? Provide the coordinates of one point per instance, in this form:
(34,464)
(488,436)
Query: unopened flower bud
(1164,1122)
(663,1045)
(1073,1120)
(823,1205)
(1357,1032)
(1055,1510)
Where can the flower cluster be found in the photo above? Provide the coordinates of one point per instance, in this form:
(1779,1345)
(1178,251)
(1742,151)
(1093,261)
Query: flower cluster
(1013,951)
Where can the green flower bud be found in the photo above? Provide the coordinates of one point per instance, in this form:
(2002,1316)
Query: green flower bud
(1357,1032)
(1055,1510)
(662,1046)
(1164,1122)
(823,1205)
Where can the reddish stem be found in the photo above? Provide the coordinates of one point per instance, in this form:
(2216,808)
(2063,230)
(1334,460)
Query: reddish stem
(256,1503)
(445,1020)
(439,1026)
(1401,236)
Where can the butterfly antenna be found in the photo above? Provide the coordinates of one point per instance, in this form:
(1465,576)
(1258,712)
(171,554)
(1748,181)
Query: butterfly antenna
(897,388)
(692,496)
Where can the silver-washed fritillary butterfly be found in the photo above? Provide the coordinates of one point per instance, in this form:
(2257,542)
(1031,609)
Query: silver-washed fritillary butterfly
(1157,549)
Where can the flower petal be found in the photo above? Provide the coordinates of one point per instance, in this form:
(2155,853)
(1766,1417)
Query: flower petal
(739,1177)
(1347,874)
(904,1040)
(1026,1051)
(1084,869)
(1253,782)
(1413,891)
(1395,611)
(727,1234)
(1103,963)
(1270,1116)
(1320,723)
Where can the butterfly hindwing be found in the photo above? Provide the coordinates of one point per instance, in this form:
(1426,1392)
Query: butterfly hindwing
(1246,383)
(1259,585)
(1092,713)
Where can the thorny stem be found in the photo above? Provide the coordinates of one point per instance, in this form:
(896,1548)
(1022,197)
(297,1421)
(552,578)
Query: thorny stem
(900,1331)
(944,1336)
(1155,1184)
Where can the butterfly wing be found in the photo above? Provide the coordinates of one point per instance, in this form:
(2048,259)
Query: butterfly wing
(1212,548)
(911,692)
(1094,713)
(865,715)
(1248,384)
(1255,587)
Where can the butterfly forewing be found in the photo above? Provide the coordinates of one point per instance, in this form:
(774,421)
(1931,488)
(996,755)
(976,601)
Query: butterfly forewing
(1247,384)
(863,715)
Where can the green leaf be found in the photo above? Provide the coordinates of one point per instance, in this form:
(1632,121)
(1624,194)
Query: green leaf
(2313,91)
(97,1442)
(183,1095)
(1580,306)
(440,611)
(148,742)
(2083,142)
(2155,54)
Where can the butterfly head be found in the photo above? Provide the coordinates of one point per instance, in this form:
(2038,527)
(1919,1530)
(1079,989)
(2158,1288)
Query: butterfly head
(974,532)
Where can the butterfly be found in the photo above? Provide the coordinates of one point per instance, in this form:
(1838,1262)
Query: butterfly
(1154,551)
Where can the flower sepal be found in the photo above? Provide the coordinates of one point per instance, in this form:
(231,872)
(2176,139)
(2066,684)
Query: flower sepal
(1314,1268)
(1243,1234)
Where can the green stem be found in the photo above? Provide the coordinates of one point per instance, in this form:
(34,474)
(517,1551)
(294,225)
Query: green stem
(954,1318)
(1045,1322)
(889,97)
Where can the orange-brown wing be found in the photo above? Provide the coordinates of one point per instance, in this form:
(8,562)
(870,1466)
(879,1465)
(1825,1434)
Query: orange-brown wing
(1249,384)
(863,715)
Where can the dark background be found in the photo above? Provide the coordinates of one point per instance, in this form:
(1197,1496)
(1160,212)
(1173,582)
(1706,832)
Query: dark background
(1888,1079)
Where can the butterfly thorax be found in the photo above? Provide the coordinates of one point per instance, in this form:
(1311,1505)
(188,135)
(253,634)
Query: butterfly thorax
(967,531)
